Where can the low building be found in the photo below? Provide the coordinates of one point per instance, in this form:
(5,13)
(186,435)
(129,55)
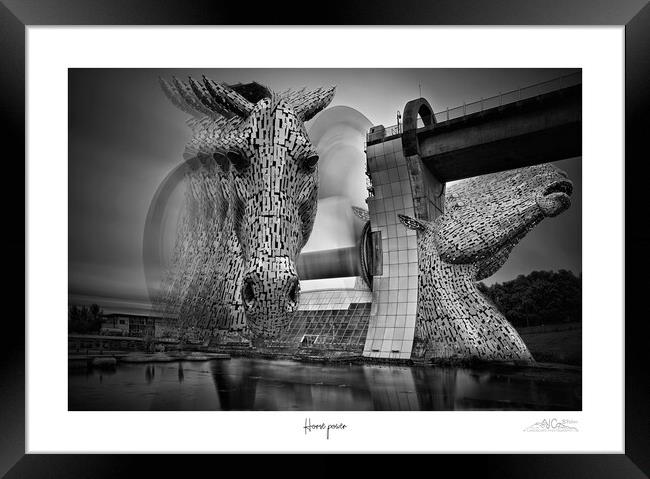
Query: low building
(165,328)
(141,326)
(138,325)
(115,325)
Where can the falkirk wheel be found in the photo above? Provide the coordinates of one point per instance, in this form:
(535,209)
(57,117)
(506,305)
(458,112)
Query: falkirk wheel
(251,176)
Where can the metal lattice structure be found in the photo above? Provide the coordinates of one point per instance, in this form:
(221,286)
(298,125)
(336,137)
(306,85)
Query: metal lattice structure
(327,323)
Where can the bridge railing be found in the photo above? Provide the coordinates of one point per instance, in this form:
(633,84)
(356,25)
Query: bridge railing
(495,101)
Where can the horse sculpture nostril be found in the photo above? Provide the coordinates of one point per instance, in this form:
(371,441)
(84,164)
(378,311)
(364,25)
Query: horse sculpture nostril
(294,291)
(561,186)
(248,293)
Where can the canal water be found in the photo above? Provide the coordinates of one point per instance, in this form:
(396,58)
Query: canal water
(260,384)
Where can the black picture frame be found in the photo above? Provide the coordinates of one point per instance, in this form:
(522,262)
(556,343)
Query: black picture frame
(15,15)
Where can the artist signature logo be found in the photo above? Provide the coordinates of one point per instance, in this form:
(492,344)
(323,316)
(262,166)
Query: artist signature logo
(553,425)
(323,426)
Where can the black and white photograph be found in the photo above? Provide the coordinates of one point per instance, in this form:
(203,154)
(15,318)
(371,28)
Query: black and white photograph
(286,239)
(395,229)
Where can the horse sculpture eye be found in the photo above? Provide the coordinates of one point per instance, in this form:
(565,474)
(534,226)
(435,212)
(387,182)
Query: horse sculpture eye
(310,162)
(221,160)
(239,161)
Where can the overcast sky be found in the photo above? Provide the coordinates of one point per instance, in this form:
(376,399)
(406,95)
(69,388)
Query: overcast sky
(125,137)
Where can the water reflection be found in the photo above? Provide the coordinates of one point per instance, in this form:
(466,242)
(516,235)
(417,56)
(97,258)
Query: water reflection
(441,391)
(236,389)
(253,384)
(149,373)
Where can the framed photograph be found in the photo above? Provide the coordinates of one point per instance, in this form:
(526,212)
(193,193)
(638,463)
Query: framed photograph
(403,233)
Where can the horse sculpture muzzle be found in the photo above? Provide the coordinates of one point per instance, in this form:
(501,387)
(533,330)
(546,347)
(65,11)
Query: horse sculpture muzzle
(555,198)
(270,292)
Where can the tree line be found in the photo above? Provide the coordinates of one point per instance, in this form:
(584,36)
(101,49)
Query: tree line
(84,319)
(541,297)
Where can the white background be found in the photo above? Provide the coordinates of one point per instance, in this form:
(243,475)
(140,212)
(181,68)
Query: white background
(51,51)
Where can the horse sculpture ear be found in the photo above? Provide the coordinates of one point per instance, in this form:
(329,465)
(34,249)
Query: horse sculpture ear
(222,98)
(361,213)
(412,223)
(207,98)
(307,105)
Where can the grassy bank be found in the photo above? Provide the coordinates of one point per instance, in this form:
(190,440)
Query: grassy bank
(555,343)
